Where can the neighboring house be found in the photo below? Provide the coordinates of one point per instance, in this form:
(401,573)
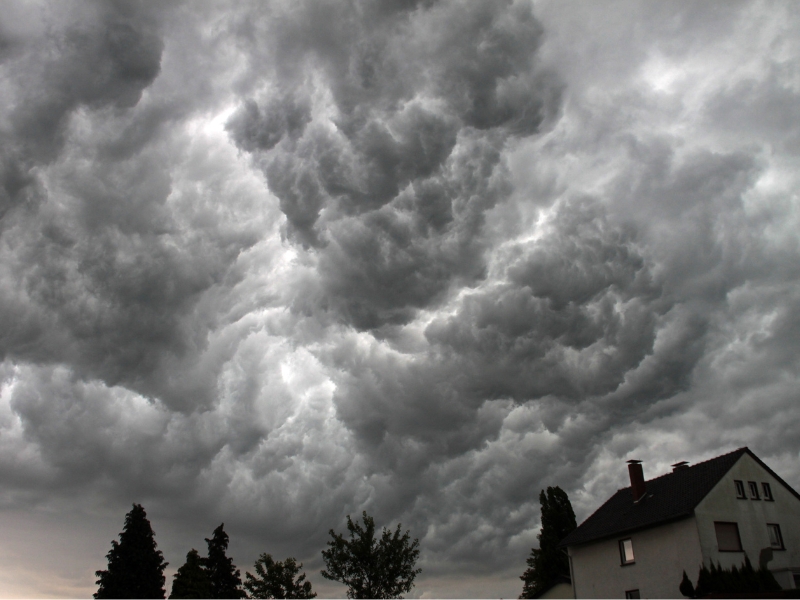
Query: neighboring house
(561,588)
(641,540)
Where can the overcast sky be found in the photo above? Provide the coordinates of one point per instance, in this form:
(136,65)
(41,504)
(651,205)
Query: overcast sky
(271,264)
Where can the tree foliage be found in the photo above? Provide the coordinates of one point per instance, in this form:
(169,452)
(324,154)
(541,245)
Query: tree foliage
(547,563)
(714,579)
(278,579)
(135,566)
(370,567)
(223,576)
(191,580)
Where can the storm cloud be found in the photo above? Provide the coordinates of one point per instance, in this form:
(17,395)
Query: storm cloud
(276,264)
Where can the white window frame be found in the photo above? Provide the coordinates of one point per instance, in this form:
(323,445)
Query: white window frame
(738,535)
(754,495)
(777,529)
(623,555)
(767,489)
(740,490)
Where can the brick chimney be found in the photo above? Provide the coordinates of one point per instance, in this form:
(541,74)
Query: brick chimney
(637,479)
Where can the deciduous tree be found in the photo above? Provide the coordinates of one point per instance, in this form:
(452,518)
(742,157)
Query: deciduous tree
(135,566)
(548,563)
(370,567)
(277,579)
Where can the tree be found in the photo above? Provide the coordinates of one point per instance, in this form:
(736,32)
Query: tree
(191,580)
(135,567)
(223,575)
(686,588)
(277,579)
(548,563)
(372,568)
(742,580)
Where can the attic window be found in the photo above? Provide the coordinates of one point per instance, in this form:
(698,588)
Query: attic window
(767,491)
(753,490)
(626,552)
(728,539)
(739,489)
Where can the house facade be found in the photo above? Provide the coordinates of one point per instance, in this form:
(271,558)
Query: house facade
(640,541)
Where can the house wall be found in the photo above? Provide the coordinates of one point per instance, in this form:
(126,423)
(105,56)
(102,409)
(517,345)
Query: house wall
(661,554)
(752,516)
(559,590)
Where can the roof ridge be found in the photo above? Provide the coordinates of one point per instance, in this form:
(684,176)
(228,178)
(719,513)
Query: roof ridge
(741,450)
(620,513)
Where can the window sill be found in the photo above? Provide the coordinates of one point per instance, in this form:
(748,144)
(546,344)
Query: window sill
(628,564)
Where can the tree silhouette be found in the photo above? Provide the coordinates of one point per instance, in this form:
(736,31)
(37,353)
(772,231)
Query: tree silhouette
(191,580)
(278,579)
(714,579)
(548,563)
(223,575)
(372,568)
(135,567)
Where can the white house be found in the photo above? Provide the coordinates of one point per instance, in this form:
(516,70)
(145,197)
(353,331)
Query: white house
(640,541)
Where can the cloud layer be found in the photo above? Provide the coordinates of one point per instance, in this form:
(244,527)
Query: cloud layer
(273,265)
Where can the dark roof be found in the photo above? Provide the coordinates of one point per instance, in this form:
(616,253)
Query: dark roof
(668,498)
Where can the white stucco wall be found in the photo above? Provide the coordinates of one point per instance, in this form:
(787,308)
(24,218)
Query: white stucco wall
(662,553)
(752,516)
(559,590)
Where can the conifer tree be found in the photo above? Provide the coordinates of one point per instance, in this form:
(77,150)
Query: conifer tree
(736,580)
(278,579)
(135,567)
(548,563)
(191,580)
(223,575)
(686,588)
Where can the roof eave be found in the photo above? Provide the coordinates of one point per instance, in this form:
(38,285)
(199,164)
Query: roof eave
(630,530)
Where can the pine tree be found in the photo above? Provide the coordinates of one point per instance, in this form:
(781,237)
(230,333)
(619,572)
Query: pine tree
(686,588)
(548,563)
(222,573)
(736,580)
(278,579)
(135,567)
(191,580)
(703,587)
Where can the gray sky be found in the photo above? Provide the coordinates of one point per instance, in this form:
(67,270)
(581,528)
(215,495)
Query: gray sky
(274,264)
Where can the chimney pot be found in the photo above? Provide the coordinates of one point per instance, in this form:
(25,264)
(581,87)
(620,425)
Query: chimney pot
(680,465)
(636,473)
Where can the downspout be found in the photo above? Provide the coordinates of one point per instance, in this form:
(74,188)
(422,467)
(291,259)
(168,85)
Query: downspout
(571,573)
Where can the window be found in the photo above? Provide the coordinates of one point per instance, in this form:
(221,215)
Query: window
(633,594)
(739,488)
(728,539)
(767,491)
(753,490)
(626,551)
(775,537)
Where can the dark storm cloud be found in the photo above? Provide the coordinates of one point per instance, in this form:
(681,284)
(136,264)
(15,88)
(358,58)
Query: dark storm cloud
(106,274)
(103,56)
(273,265)
(393,187)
